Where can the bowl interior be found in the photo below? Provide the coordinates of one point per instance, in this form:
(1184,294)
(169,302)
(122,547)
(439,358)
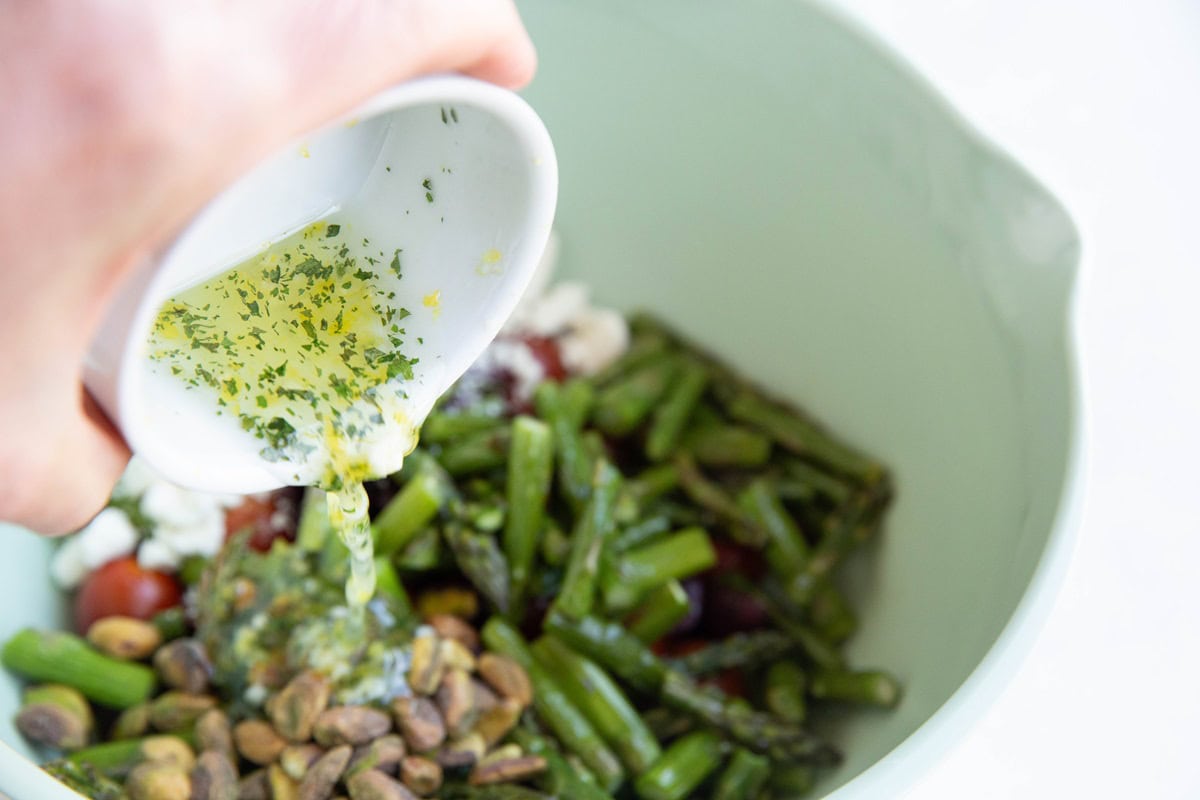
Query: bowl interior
(794,199)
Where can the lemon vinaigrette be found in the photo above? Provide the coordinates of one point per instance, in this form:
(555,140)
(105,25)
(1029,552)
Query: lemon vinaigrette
(303,345)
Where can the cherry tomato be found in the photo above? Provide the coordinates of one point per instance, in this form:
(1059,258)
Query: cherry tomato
(269,516)
(121,587)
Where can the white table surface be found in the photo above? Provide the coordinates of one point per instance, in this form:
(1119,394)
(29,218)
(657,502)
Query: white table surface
(1102,101)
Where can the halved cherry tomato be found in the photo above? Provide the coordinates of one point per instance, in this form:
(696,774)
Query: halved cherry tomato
(121,587)
(269,516)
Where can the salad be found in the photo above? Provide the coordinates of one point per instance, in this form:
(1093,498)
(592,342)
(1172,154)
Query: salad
(608,571)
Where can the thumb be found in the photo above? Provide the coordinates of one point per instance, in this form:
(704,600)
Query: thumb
(331,55)
(54,477)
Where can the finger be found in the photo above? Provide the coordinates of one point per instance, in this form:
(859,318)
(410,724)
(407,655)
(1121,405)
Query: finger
(250,77)
(58,478)
(510,64)
(333,60)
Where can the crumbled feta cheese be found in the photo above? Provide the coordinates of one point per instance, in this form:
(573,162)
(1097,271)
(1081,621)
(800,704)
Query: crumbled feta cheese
(166,503)
(109,535)
(555,309)
(185,523)
(156,554)
(596,337)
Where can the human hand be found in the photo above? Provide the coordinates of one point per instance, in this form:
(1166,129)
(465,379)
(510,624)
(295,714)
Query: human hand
(120,120)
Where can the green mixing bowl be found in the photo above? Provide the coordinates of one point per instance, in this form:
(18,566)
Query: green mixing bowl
(787,192)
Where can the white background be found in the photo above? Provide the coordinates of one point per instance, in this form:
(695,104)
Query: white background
(1101,100)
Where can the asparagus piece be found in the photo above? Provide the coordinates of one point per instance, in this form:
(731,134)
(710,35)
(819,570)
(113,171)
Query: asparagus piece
(85,779)
(785,424)
(652,484)
(574,465)
(594,445)
(592,530)
(115,759)
(763,733)
(642,532)
(480,559)
(531,463)
(415,463)
(744,528)
(578,395)
(313,527)
(660,612)
(59,657)
(794,491)
(408,512)
(786,549)
(822,483)
(727,446)
(672,414)
(789,781)
(739,651)
(423,552)
(800,435)
(784,695)
(440,428)
(871,688)
(613,647)
(555,546)
(682,768)
(171,623)
(594,693)
(744,777)
(388,584)
(667,723)
(476,453)
(643,349)
(560,778)
(680,555)
(553,706)
(819,650)
(854,525)
(191,570)
(622,406)
(831,614)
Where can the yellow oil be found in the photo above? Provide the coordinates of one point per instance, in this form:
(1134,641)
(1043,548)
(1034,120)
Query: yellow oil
(304,346)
